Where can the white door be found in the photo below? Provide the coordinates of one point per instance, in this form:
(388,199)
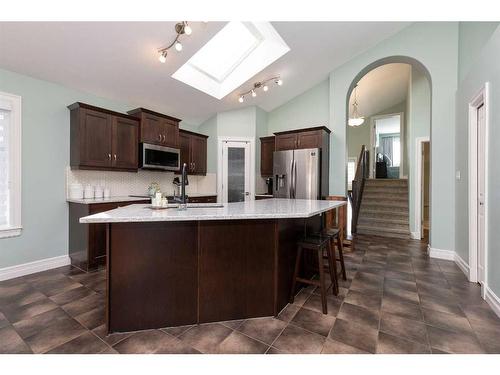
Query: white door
(236,171)
(481,171)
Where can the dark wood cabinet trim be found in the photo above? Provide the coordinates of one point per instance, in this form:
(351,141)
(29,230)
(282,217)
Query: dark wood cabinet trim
(98,109)
(304,130)
(192,133)
(137,111)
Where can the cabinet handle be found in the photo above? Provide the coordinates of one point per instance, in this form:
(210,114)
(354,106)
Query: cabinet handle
(159,137)
(163,137)
(114,156)
(109,156)
(298,143)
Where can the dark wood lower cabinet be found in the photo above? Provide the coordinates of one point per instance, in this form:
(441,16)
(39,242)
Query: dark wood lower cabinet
(152,275)
(163,274)
(203,199)
(87,242)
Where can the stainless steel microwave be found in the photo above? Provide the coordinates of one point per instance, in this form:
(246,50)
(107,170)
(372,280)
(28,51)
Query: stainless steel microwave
(159,157)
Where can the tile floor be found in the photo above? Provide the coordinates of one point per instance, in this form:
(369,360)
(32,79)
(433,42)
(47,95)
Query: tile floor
(396,300)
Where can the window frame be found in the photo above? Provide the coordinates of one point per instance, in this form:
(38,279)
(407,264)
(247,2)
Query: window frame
(12,103)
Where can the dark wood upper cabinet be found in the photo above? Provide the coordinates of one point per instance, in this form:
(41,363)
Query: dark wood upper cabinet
(302,138)
(266,155)
(102,139)
(286,142)
(157,128)
(193,151)
(125,133)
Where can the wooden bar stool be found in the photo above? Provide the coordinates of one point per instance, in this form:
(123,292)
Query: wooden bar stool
(321,245)
(334,235)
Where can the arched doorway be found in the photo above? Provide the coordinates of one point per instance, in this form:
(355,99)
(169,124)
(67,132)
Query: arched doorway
(388,112)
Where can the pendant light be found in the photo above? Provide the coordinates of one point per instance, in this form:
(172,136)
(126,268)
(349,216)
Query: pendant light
(355,119)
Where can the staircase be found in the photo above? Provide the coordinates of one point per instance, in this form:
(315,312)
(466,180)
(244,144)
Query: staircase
(384,208)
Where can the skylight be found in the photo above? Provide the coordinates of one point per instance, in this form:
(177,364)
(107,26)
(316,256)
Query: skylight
(235,54)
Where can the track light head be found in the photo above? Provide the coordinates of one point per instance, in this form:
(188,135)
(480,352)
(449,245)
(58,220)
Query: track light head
(163,57)
(178,46)
(241,99)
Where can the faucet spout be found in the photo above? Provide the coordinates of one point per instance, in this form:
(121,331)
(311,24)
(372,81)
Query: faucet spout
(182,200)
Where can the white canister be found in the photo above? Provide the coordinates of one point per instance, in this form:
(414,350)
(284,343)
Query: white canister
(75,191)
(88,193)
(107,193)
(98,193)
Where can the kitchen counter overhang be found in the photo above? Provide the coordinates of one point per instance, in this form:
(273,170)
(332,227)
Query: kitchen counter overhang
(262,209)
(171,268)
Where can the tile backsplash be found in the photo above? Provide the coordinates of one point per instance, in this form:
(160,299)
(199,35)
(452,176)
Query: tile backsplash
(130,183)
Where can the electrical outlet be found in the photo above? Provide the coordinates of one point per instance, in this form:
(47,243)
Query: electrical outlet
(457,175)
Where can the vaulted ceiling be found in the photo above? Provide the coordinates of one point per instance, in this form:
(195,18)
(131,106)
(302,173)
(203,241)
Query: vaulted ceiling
(119,60)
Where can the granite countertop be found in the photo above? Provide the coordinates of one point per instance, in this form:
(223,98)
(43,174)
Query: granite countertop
(263,195)
(127,198)
(256,209)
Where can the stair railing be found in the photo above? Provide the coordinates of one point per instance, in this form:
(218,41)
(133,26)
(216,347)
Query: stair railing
(358,184)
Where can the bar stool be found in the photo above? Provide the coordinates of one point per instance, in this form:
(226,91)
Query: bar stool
(334,235)
(319,244)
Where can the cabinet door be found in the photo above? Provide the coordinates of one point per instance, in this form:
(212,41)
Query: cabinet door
(97,235)
(151,129)
(170,133)
(266,156)
(309,139)
(286,142)
(199,155)
(95,139)
(184,144)
(125,143)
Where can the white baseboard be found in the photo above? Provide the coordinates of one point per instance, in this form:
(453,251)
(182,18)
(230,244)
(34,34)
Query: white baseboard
(493,300)
(33,267)
(441,254)
(415,236)
(462,264)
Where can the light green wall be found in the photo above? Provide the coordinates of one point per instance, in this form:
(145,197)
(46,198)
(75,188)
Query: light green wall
(435,45)
(260,131)
(472,37)
(485,68)
(45,155)
(419,126)
(308,109)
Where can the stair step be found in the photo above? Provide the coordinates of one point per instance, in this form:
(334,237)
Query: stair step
(383,214)
(386,182)
(383,231)
(385,205)
(374,220)
(385,190)
(368,195)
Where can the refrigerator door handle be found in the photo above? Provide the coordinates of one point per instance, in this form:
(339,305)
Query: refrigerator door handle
(290,189)
(294,179)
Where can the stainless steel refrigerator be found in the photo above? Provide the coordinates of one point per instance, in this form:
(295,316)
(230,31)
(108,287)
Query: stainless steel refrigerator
(297,174)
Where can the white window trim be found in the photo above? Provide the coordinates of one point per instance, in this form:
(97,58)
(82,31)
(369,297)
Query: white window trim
(13,103)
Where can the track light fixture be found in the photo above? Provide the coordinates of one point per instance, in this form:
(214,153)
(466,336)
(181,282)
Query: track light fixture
(181,28)
(260,85)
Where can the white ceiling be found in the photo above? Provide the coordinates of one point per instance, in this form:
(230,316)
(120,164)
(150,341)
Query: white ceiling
(382,88)
(118,60)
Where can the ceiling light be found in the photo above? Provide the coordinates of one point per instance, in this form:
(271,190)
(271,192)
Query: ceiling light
(163,57)
(260,85)
(355,119)
(181,28)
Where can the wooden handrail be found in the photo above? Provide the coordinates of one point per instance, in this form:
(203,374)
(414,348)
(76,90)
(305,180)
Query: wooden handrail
(358,185)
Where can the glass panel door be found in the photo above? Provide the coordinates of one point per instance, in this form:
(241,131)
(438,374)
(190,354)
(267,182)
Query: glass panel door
(236,171)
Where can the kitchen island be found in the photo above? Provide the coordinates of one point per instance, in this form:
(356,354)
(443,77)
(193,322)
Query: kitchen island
(204,264)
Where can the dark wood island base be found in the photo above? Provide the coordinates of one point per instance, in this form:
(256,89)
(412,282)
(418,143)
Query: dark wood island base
(163,274)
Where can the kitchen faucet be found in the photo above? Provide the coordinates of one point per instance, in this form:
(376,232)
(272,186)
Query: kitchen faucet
(183,183)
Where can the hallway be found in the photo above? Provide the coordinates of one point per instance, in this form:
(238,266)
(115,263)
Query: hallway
(396,300)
